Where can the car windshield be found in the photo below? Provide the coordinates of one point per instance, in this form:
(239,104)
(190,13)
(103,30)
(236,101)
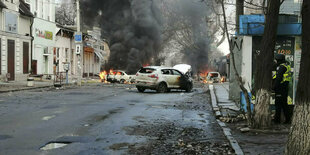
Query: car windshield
(146,70)
(214,75)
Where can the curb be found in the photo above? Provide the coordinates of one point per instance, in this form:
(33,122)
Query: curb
(233,143)
(23,89)
(215,107)
(31,88)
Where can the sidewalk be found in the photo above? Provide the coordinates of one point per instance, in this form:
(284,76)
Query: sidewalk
(271,142)
(22,85)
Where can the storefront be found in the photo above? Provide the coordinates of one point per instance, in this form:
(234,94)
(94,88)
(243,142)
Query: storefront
(43,46)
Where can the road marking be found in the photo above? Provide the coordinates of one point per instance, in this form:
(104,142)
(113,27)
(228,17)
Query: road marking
(46,118)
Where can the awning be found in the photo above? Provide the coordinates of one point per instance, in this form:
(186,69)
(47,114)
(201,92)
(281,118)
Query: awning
(99,55)
(88,49)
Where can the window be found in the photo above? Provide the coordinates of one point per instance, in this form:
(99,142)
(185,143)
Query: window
(10,22)
(165,71)
(175,72)
(36,5)
(146,70)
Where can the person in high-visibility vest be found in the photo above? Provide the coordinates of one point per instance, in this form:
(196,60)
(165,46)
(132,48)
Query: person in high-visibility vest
(281,83)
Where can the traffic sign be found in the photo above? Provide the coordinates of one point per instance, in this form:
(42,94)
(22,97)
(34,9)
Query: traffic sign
(78,37)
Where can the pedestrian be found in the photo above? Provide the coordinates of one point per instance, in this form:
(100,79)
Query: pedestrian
(281,83)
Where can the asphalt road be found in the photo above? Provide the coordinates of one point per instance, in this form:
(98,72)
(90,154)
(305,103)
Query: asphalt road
(109,119)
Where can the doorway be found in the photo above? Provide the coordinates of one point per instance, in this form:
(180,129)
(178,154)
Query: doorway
(11,60)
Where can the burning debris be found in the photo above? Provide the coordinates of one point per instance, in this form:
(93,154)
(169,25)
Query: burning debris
(133,28)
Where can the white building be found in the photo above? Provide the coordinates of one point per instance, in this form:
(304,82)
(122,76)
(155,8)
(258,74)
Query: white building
(96,52)
(65,52)
(15,40)
(43,31)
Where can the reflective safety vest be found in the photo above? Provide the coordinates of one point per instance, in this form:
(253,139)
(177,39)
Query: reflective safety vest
(287,76)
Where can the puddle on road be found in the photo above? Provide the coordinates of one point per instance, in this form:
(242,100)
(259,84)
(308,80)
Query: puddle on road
(4,137)
(46,118)
(54,145)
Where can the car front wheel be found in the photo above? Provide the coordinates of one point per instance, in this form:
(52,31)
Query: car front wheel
(189,87)
(140,89)
(162,88)
(122,81)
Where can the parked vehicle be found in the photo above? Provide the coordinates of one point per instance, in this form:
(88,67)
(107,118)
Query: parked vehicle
(214,77)
(162,79)
(118,76)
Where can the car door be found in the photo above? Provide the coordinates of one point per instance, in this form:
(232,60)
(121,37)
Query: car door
(175,78)
(167,77)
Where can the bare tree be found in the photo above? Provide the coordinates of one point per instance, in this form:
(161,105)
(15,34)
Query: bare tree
(66,13)
(264,63)
(298,140)
(193,27)
(238,77)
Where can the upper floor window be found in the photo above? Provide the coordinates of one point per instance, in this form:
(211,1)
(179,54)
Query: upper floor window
(11,22)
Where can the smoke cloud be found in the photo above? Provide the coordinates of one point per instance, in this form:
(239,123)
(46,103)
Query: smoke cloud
(191,16)
(139,31)
(132,27)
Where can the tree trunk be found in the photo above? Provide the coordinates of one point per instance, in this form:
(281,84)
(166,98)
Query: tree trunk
(298,140)
(264,63)
(239,11)
(262,116)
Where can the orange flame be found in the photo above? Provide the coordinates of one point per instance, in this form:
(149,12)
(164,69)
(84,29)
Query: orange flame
(145,65)
(223,79)
(102,76)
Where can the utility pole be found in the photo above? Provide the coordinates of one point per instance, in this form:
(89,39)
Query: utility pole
(79,43)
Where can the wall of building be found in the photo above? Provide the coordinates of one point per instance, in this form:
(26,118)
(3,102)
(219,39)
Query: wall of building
(63,43)
(12,6)
(41,42)
(20,35)
(291,7)
(24,26)
(246,72)
(234,89)
(44,9)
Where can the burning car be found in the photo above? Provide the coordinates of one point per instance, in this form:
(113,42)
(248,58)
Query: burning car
(115,76)
(118,76)
(162,79)
(214,77)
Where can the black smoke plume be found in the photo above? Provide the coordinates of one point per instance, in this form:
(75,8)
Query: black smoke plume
(132,27)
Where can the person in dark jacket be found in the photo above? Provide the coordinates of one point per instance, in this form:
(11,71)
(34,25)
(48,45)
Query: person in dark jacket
(281,84)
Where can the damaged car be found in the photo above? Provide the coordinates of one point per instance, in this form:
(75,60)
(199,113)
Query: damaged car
(162,79)
(118,76)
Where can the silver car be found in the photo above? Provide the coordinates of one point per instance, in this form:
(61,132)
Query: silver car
(162,79)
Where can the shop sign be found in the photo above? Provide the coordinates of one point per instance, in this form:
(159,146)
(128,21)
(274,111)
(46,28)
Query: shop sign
(44,34)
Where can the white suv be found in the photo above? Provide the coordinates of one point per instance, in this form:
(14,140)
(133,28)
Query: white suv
(162,79)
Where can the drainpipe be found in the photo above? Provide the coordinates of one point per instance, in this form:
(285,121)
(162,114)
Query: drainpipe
(31,45)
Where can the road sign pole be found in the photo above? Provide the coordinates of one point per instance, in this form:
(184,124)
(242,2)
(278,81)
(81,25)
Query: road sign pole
(79,39)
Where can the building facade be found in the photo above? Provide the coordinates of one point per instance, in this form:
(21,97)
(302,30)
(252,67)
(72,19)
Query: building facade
(43,32)
(288,43)
(64,56)
(15,40)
